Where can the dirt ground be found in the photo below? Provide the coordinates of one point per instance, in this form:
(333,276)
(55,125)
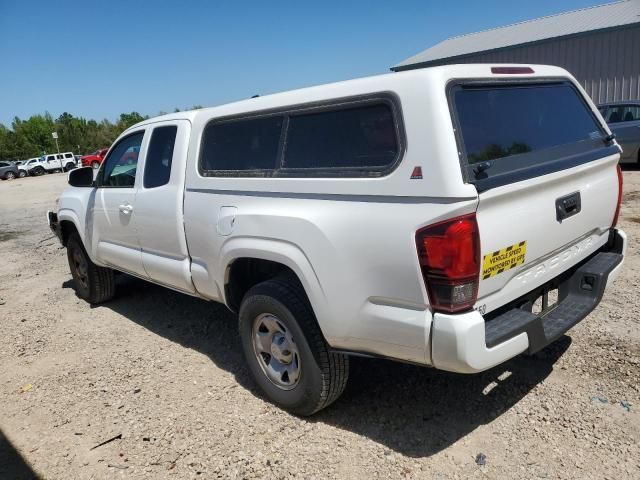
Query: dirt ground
(164,374)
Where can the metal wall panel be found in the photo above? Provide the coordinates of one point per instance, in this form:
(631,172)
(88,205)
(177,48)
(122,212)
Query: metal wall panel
(607,63)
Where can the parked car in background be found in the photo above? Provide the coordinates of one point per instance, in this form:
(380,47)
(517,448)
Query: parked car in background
(624,120)
(22,171)
(52,163)
(27,164)
(94,159)
(8,170)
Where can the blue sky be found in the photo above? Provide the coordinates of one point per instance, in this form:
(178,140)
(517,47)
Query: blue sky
(98,59)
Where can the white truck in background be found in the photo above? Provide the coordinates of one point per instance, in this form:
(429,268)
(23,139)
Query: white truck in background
(452,217)
(54,162)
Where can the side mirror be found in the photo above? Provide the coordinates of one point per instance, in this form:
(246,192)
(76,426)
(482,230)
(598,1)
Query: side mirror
(81,177)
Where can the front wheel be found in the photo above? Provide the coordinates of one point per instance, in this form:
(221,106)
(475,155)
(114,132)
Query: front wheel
(22,173)
(93,283)
(286,352)
(95,165)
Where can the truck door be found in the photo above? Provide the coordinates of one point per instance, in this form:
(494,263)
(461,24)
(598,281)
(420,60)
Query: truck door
(51,163)
(159,206)
(115,240)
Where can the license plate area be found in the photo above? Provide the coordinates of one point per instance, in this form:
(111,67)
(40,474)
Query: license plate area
(545,302)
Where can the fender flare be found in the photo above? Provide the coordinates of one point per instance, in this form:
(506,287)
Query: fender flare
(69,215)
(280,251)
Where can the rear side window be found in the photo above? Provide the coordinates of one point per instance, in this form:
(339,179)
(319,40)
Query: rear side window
(354,138)
(68,155)
(516,131)
(344,138)
(621,113)
(241,145)
(157,168)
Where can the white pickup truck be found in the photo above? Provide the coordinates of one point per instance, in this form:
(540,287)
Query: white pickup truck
(55,162)
(451,217)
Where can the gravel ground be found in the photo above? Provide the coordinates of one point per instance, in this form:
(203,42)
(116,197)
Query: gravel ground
(164,374)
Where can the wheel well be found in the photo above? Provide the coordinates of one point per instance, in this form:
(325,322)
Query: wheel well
(67,228)
(244,273)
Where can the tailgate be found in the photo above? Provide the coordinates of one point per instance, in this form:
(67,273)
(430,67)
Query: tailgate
(546,176)
(524,245)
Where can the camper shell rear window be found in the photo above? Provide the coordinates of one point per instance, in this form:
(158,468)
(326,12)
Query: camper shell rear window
(509,131)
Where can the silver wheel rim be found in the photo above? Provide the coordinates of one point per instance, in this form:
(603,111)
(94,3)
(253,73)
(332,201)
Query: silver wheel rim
(11,175)
(276,351)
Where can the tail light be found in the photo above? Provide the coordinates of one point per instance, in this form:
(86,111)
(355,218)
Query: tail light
(449,256)
(617,214)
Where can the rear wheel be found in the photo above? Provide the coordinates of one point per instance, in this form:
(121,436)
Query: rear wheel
(95,165)
(286,352)
(93,283)
(68,166)
(9,176)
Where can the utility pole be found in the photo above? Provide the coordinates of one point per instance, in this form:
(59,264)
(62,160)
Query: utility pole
(55,137)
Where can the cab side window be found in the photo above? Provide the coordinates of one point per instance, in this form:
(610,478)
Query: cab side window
(119,168)
(630,113)
(157,169)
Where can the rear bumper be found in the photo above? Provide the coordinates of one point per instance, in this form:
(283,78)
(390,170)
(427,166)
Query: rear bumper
(470,343)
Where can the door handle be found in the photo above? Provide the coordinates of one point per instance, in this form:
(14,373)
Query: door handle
(126,208)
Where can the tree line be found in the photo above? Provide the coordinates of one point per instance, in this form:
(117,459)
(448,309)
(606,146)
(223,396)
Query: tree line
(32,137)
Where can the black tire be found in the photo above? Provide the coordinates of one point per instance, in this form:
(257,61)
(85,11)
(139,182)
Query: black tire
(9,176)
(93,283)
(95,165)
(37,171)
(323,374)
(22,173)
(68,166)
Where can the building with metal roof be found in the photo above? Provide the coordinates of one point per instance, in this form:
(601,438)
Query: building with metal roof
(599,45)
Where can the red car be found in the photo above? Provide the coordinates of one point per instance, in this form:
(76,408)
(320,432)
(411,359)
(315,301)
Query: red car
(94,159)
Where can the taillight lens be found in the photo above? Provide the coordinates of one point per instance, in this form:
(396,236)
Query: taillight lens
(617,214)
(449,255)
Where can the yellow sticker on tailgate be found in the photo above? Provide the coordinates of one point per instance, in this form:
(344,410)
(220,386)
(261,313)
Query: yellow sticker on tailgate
(504,259)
